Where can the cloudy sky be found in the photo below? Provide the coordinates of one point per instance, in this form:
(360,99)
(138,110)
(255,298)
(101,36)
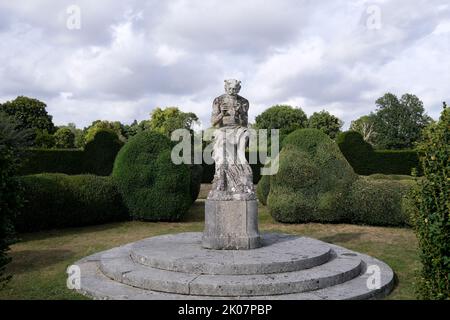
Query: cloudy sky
(130,56)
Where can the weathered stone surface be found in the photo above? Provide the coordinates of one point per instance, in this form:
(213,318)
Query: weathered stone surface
(342,277)
(183,253)
(231,225)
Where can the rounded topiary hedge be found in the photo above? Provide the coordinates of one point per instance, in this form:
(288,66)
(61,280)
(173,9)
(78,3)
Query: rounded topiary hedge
(58,201)
(100,153)
(312,180)
(153,188)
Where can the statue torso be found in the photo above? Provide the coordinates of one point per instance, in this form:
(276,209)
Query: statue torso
(234,108)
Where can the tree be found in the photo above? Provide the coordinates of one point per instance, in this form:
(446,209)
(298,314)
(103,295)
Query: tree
(44,139)
(78,134)
(283,117)
(431,218)
(30,114)
(166,121)
(64,138)
(325,122)
(399,123)
(12,143)
(100,125)
(366,127)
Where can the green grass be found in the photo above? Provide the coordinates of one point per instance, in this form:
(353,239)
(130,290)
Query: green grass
(41,259)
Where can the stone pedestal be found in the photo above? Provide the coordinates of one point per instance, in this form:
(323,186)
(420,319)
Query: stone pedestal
(231,225)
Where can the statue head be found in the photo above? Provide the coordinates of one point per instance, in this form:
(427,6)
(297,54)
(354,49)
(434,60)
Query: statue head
(232,86)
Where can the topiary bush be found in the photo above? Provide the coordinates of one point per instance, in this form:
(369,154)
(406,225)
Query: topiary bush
(379,202)
(100,153)
(153,188)
(60,201)
(312,180)
(263,189)
(431,217)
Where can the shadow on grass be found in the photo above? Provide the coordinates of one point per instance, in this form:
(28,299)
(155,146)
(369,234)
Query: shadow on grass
(31,260)
(342,237)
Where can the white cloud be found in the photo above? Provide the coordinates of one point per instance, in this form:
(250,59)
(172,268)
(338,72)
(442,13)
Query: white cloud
(130,57)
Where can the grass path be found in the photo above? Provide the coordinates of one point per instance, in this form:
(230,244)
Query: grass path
(40,259)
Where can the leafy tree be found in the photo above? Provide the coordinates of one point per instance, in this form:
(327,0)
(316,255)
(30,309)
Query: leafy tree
(431,218)
(283,117)
(12,142)
(366,127)
(30,114)
(167,120)
(44,139)
(78,134)
(64,138)
(325,122)
(399,122)
(100,125)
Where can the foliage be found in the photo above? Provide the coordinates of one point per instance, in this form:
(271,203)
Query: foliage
(399,122)
(53,161)
(431,218)
(100,153)
(283,117)
(64,138)
(101,125)
(325,122)
(366,127)
(312,180)
(60,201)
(315,183)
(365,160)
(12,141)
(379,202)
(166,121)
(263,189)
(44,139)
(153,188)
(29,114)
(79,140)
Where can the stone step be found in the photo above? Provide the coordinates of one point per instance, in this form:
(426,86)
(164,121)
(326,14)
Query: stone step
(184,253)
(113,274)
(118,265)
(96,285)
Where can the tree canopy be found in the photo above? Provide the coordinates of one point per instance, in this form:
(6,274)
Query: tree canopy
(325,122)
(283,117)
(399,122)
(167,120)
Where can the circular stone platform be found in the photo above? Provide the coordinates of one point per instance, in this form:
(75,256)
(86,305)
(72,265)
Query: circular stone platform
(286,267)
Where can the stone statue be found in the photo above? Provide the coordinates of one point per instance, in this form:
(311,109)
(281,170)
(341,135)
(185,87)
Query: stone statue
(233,178)
(231,210)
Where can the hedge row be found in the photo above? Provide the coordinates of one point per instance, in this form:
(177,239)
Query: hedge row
(97,158)
(59,201)
(315,183)
(366,161)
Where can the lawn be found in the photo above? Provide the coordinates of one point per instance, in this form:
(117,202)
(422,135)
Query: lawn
(40,259)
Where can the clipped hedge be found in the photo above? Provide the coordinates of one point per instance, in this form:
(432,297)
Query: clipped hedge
(53,161)
(312,179)
(60,201)
(97,157)
(153,188)
(315,183)
(379,202)
(366,161)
